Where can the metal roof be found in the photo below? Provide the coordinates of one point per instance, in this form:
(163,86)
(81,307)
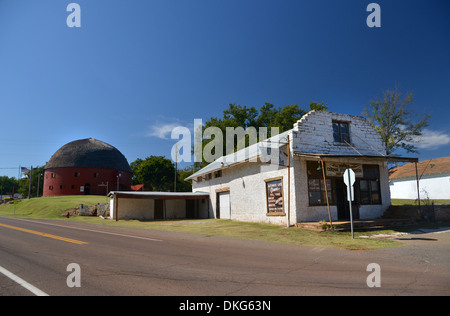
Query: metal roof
(387,158)
(246,154)
(436,167)
(160,195)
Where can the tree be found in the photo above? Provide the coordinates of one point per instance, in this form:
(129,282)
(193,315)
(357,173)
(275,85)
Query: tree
(394,121)
(7,185)
(184,186)
(283,117)
(37,175)
(318,106)
(155,172)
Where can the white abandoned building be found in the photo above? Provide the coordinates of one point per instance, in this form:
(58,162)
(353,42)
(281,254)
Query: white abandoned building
(307,185)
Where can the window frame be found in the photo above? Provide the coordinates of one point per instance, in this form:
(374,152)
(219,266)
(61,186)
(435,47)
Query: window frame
(315,174)
(340,139)
(321,191)
(370,191)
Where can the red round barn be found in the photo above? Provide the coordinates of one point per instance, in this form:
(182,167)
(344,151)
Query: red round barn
(86,167)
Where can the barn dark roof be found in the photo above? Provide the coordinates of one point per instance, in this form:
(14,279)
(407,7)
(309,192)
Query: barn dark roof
(91,153)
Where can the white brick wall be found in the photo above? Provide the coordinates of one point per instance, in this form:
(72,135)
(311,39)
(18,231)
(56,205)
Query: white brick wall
(247,191)
(313,134)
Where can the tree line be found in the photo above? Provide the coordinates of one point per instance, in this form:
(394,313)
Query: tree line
(22,186)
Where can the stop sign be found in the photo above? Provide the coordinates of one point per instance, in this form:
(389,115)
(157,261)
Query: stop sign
(349,180)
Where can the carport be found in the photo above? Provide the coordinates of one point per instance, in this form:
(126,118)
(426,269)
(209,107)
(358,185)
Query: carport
(158,205)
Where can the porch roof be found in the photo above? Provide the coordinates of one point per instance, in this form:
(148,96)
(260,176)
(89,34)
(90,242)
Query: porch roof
(355,157)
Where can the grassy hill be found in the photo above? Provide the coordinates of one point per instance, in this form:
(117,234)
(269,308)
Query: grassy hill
(49,207)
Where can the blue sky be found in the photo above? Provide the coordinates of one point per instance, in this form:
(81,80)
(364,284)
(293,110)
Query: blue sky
(137,68)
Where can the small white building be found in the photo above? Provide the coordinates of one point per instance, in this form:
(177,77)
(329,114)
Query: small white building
(158,205)
(433,175)
(319,148)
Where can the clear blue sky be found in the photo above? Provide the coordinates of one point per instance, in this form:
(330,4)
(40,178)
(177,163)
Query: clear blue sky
(137,67)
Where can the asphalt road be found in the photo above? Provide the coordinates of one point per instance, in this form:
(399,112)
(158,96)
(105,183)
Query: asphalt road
(124,261)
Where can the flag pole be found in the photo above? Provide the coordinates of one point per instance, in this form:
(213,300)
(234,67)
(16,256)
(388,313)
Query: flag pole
(18,178)
(29,182)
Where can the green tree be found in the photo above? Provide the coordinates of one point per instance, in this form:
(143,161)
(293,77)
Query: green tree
(391,117)
(318,106)
(283,117)
(184,186)
(37,180)
(155,172)
(7,185)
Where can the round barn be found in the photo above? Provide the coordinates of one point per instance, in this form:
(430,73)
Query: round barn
(86,167)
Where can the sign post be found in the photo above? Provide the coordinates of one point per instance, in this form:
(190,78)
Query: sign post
(15,203)
(349,180)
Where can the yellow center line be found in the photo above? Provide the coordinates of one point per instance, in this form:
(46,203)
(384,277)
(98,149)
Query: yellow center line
(45,235)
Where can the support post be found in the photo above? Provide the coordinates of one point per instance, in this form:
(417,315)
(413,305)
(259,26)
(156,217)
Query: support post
(418,192)
(288,222)
(326,192)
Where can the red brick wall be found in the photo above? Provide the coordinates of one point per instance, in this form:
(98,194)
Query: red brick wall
(65,182)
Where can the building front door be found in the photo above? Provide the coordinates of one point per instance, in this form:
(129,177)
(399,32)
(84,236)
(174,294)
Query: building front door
(342,204)
(190,209)
(223,205)
(87,189)
(159,209)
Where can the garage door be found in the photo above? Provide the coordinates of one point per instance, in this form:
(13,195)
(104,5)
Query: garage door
(224,210)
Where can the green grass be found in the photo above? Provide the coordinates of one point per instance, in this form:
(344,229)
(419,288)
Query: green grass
(273,233)
(422,202)
(55,208)
(48,207)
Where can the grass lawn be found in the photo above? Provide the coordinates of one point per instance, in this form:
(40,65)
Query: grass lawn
(423,202)
(55,207)
(48,207)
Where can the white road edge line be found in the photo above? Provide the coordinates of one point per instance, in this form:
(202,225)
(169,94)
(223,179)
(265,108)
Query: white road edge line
(22,282)
(85,229)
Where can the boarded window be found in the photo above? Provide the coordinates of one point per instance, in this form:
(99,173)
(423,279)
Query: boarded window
(274,195)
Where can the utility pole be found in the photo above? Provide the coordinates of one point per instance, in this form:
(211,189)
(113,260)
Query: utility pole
(176,163)
(29,183)
(39,178)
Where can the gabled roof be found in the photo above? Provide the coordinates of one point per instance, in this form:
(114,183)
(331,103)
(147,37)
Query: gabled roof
(438,166)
